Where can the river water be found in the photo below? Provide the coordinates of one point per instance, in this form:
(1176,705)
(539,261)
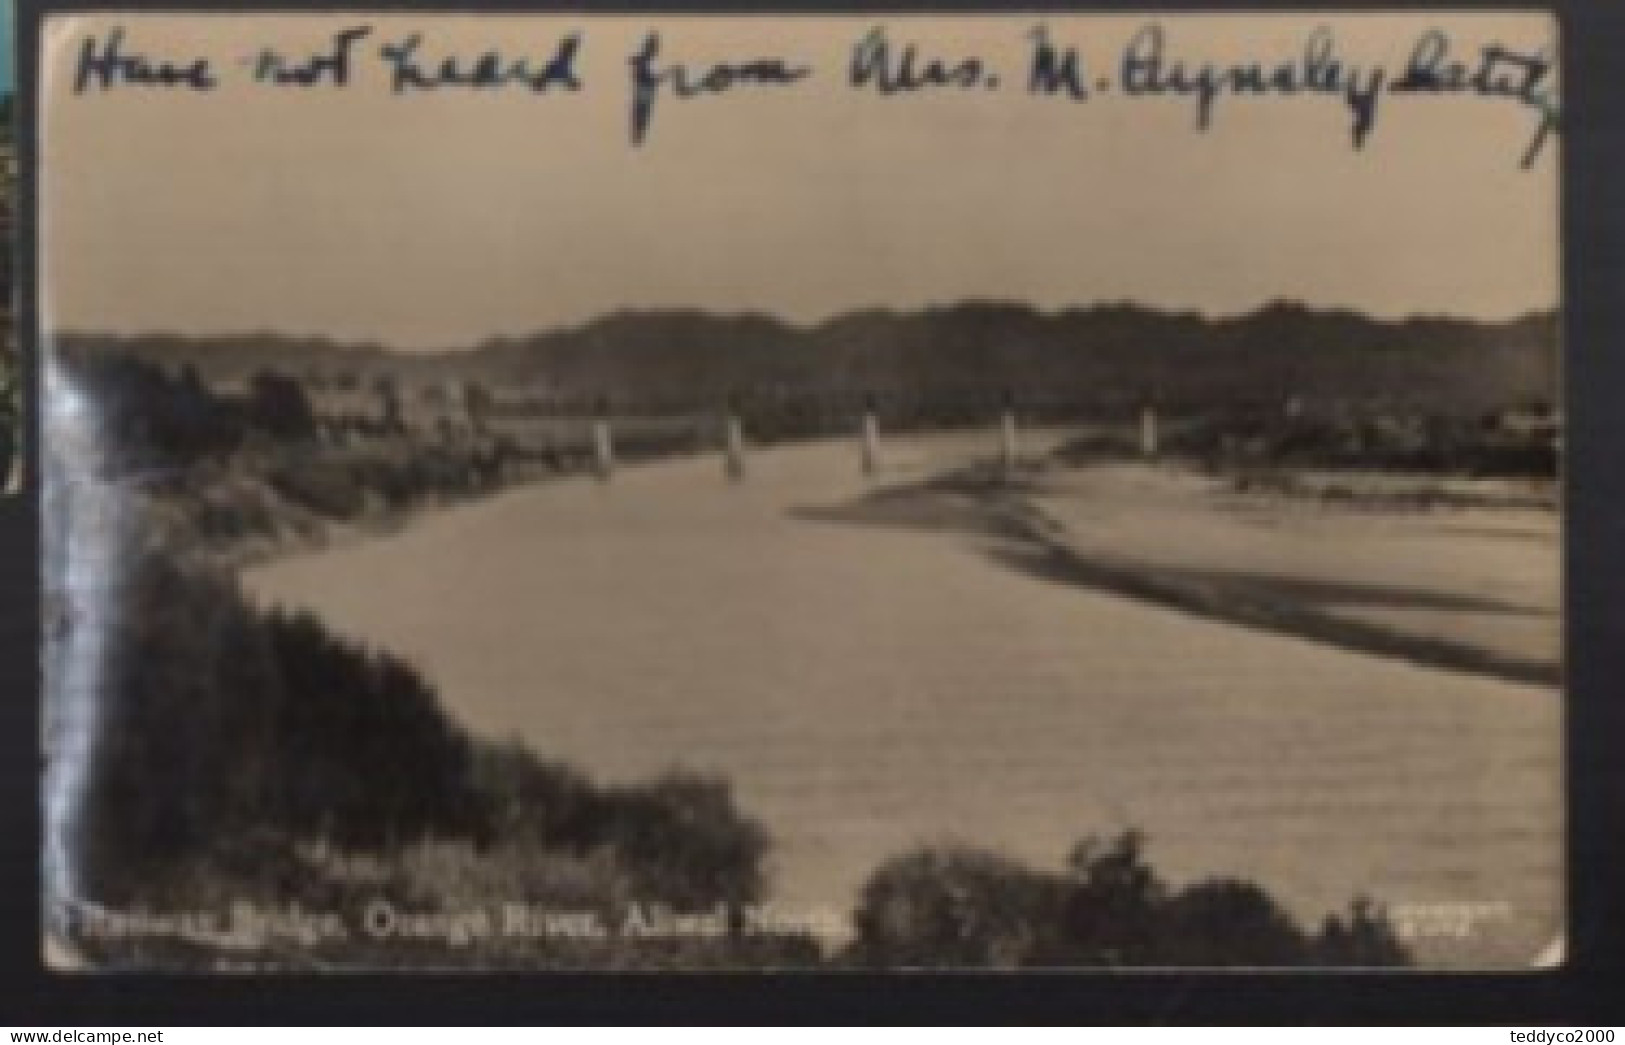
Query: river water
(868,688)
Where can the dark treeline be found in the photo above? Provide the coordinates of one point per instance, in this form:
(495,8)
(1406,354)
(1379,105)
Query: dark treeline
(258,466)
(150,422)
(958,356)
(1520,440)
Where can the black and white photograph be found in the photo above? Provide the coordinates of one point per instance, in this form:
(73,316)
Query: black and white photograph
(718,492)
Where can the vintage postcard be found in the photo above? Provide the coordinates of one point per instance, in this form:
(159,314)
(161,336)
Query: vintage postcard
(1054,491)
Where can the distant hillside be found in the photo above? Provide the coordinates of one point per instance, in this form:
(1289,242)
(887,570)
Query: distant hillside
(976,350)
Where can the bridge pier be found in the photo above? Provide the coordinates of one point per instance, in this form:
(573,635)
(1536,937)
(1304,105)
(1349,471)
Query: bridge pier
(1148,431)
(871,444)
(733,448)
(1009,443)
(603,449)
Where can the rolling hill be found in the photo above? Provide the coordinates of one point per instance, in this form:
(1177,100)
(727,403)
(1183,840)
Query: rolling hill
(975,350)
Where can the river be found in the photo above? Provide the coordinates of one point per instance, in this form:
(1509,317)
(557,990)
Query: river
(868,688)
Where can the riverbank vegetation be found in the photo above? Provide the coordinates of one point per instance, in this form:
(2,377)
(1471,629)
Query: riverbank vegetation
(240,477)
(1378,456)
(246,757)
(959,906)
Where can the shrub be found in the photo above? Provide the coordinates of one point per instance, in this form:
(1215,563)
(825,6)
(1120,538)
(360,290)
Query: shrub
(683,840)
(147,422)
(529,800)
(184,701)
(277,405)
(362,752)
(1366,939)
(678,839)
(1113,906)
(320,487)
(216,720)
(954,906)
(963,907)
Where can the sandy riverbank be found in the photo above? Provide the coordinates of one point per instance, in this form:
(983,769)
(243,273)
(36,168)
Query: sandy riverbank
(1473,587)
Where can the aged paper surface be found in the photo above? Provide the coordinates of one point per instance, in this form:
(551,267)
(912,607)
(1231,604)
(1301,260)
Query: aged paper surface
(751,492)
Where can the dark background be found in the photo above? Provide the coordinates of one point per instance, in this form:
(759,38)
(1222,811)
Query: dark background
(1585,992)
